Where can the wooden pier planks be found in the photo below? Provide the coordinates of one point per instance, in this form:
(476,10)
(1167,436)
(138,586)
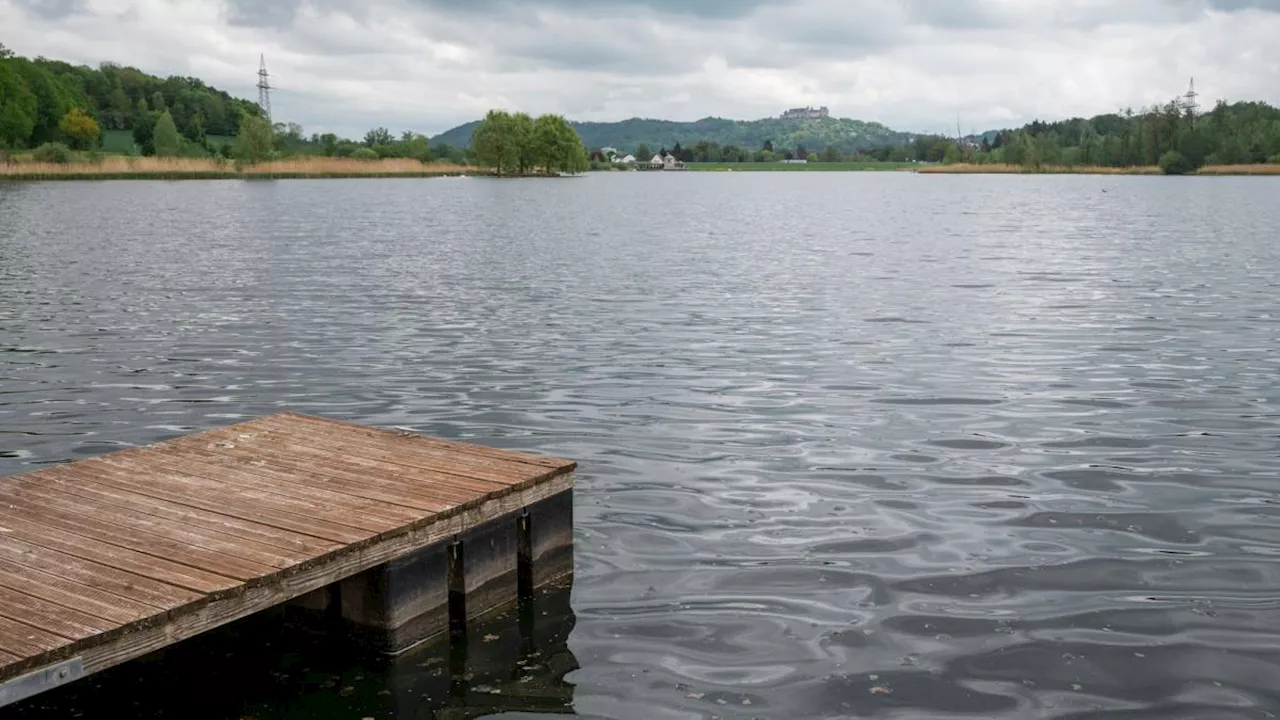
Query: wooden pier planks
(112,557)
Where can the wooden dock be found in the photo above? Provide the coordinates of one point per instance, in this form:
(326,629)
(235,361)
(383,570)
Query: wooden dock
(107,559)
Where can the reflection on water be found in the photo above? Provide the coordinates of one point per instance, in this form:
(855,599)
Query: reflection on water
(849,444)
(268,668)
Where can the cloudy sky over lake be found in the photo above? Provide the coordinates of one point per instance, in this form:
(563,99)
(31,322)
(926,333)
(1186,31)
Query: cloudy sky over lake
(916,65)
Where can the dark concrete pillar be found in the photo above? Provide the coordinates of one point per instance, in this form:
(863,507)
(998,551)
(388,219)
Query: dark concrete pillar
(396,605)
(551,538)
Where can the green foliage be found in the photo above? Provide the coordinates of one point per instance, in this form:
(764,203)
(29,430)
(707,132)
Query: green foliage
(1229,134)
(53,100)
(494,142)
(643,152)
(450,153)
(35,96)
(365,153)
(378,136)
(17,107)
(52,153)
(518,144)
(1175,163)
(166,140)
(144,130)
(80,129)
(255,140)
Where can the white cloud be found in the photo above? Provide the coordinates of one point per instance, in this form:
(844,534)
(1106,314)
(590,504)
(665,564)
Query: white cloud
(347,65)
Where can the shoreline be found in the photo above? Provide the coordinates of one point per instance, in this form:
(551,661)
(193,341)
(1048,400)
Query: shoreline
(231,175)
(152,168)
(1258,170)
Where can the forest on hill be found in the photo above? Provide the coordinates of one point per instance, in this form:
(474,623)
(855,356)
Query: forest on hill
(39,100)
(849,136)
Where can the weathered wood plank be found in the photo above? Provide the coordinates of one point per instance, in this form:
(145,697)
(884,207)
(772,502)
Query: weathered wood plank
(414,487)
(448,446)
(25,641)
(253,505)
(375,506)
(85,486)
(162,569)
(67,518)
(56,589)
(102,577)
(51,617)
(46,494)
(407,450)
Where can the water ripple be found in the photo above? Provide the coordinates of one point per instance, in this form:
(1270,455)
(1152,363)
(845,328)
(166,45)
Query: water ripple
(1014,455)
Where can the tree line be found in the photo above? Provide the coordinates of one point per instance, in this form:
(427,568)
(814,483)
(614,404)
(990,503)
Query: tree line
(49,105)
(1171,135)
(518,144)
(46,101)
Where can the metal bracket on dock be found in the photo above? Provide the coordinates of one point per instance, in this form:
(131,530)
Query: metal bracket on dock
(38,681)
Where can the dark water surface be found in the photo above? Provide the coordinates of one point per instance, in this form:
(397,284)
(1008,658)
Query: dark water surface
(851,444)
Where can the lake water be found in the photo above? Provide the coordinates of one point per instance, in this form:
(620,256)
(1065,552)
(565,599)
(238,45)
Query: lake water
(851,445)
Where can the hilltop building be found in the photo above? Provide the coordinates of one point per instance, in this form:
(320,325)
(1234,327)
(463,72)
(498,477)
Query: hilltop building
(807,113)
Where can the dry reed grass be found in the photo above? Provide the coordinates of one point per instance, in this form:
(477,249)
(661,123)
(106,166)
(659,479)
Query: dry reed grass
(1240,170)
(152,167)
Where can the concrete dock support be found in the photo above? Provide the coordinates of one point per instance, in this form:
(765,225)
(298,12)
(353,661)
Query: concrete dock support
(396,605)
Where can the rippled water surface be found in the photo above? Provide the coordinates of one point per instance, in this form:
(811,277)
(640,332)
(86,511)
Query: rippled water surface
(851,445)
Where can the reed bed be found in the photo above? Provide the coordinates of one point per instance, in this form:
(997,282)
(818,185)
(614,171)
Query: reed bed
(1270,169)
(153,168)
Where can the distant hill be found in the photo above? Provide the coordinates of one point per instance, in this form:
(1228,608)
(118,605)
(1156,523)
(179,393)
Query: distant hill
(846,135)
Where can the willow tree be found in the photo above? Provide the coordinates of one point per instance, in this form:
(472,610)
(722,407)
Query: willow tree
(494,142)
(557,146)
(518,144)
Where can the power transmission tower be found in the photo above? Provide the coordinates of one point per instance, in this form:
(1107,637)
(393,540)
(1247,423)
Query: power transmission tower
(264,88)
(1190,104)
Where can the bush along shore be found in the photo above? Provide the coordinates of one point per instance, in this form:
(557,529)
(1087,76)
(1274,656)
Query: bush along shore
(158,168)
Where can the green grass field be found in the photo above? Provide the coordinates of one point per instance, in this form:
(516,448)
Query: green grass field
(117,141)
(121,141)
(800,167)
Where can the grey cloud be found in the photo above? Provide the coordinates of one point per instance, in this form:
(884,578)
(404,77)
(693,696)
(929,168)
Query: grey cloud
(712,9)
(52,9)
(261,13)
(350,64)
(1238,5)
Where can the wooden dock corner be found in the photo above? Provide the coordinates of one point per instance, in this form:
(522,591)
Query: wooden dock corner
(400,536)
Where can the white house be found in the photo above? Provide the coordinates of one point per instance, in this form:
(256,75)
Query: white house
(628,160)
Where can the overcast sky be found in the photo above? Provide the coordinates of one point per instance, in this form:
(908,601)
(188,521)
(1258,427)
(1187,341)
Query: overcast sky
(916,65)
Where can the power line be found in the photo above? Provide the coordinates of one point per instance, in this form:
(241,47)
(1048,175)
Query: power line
(1190,103)
(264,88)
